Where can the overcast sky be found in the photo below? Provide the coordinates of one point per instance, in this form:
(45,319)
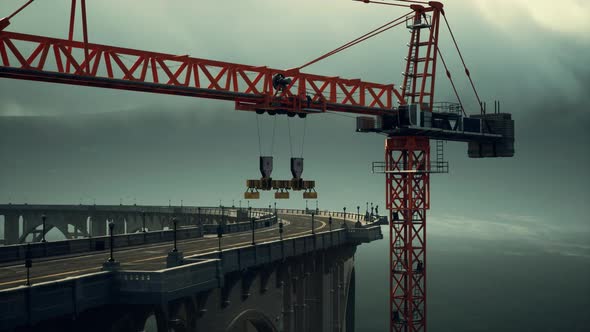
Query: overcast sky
(531,55)
(498,228)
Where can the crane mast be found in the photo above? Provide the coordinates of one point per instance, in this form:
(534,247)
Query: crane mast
(408,118)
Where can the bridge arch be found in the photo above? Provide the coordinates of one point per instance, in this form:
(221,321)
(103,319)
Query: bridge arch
(251,318)
(36,232)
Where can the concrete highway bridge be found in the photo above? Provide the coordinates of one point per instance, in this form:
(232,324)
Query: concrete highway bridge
(233,269)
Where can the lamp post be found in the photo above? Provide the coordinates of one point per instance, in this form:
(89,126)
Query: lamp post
(344,222)
(312,223)
(330,223)
(317,208)
(233,203)
(219,236)
(28,264)
(275,208)
(371,210)
(240,204)
(253,228)
(281,230)
(199,216)
(306,206)
(174,222)
(112,240)
(43,218)
(143,221)
(358,216)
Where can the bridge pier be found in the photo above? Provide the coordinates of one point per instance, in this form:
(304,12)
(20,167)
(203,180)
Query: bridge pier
(11,228)
(98,225)
(133,222)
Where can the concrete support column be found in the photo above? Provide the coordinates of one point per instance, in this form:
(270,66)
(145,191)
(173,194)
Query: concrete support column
(300,292)
(11,231)
(29,224)
(313,301)
(287,302)
(133,222)
(335,289)
(98,225)
(80,225)
(119,224)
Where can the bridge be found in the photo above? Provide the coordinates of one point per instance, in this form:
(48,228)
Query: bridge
(180,268)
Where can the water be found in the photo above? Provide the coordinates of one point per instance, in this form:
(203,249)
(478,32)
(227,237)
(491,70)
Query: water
(476,285)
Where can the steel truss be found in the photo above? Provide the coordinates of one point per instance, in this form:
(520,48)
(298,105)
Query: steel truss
(408,198)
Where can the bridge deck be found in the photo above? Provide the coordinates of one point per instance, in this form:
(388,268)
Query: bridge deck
(151,257)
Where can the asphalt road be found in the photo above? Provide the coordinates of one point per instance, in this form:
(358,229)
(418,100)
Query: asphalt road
(151,257)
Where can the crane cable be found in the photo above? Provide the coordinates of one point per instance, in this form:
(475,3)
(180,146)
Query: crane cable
(290,140)
(303,139)
(19,10)
(259,139)
(481,105)
(272,142)
(394,4)
(463,61)
(358,40)
(451,79)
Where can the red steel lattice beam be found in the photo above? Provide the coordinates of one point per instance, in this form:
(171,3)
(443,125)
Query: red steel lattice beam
(78,63)
(408,197)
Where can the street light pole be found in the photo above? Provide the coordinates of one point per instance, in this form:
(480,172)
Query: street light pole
(143,221)
(344,222)
(253,242)
(312,223)
(358,216)
(28,264)
(174,222)
(219,236)
(43,218)
(112,242)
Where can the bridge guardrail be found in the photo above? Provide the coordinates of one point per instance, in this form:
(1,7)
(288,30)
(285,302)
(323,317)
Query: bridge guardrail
(17,252)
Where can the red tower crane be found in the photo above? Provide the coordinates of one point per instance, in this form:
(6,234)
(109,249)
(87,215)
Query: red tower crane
(409,119)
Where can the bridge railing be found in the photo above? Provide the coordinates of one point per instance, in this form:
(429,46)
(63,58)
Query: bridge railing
(265,218)
(262,221)
(18,252)
(67,247)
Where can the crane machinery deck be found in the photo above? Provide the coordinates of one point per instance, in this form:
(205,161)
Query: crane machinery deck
(409,117)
